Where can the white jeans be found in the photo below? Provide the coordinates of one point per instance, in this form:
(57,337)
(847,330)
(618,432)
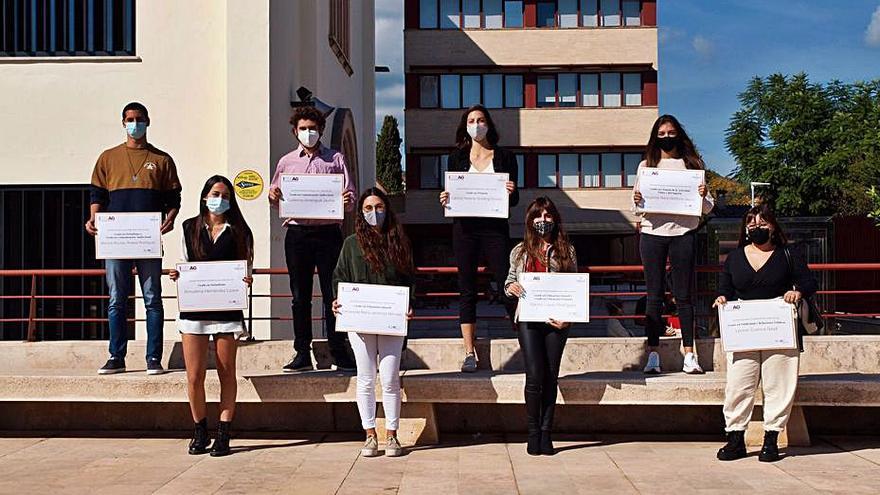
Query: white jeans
(367,348)
(778,373)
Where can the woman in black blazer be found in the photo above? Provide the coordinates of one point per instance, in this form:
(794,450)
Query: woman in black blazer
(477,151)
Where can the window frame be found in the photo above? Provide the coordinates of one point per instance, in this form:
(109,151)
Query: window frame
(580,12)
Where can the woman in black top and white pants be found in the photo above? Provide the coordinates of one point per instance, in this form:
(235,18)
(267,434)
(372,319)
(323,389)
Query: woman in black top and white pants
(761,268)
(477,151)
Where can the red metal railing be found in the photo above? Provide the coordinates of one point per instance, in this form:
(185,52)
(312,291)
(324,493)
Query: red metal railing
(34,297)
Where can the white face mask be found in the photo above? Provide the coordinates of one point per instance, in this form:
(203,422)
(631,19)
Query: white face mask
(477,131)
(308,138)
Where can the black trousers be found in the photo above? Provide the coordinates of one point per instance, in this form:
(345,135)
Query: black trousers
(307,248)
(680,250)
(471,239)
(542,347)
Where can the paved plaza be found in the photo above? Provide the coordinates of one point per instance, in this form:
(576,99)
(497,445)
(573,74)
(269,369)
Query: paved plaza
(329,464)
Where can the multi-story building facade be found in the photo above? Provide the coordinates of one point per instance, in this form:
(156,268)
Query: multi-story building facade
(572,87)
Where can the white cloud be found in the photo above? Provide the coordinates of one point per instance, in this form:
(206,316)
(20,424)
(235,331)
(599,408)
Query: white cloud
(703,46)
(872,34)
(668,34)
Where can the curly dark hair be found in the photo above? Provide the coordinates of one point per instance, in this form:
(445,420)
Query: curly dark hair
(388,244)
(308,113)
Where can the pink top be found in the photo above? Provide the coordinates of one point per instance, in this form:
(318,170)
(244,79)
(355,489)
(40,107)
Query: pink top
(324,161)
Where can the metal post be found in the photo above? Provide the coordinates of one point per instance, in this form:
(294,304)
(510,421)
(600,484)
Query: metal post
(32,313)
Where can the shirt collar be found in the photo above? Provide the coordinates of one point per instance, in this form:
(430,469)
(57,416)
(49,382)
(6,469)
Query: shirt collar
(301,150)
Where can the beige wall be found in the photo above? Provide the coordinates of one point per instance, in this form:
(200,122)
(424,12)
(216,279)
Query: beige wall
(539,126)
(531,47)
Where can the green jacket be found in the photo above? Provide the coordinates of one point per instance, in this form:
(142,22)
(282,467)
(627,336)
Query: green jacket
(353,268)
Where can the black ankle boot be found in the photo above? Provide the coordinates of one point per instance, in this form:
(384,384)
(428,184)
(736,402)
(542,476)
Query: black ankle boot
(533,447)
(221,443)
(199,443)
(770,450)
(735,448)
(547,443)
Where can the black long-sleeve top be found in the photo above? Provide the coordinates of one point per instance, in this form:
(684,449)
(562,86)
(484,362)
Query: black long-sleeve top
(740,281)
(504,162)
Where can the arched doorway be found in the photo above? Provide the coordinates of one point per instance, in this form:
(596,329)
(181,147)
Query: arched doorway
(344,139)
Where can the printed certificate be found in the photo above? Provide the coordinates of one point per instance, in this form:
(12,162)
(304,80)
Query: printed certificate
(563,297)
(671,191)
(370,308)
(757,325)
(477,195)
(212,286)
(312,196)
(128,235)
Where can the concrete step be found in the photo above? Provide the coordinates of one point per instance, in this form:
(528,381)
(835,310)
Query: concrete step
(823,354)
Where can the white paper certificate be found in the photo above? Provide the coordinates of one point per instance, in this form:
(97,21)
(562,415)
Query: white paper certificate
(312,196)
(757,325)
(477,195)
(370,308)
(212,286)
(671,191)
(128,235)
(561,296)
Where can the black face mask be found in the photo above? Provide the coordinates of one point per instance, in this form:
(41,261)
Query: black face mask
(758,236)
(543,227)
(668,143)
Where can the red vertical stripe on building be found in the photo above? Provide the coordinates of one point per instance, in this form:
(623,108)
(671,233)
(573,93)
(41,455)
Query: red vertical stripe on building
(413,177)
(530,13)
(531,169)
(412,91)
(411,14)
(530,91)
(649,88)
(649,12)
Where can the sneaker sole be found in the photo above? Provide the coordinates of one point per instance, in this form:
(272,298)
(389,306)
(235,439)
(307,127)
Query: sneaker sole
(369,453)
(111,372)
(393,452)
(340,368)
(695,371)
(295,370)
(156,372)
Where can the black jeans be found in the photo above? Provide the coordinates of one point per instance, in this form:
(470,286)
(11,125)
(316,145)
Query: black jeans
(307,248)
(470,239)
(680,251)
(542,347)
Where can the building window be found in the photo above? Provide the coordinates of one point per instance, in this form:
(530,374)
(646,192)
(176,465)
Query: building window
(632,90)
(590,170)
(632,15)
(631,167)
(471,11)
(428,14)
(546,14)
(497,14)
(492,12)
(612,175)
(610,13)
(590,90)
(546,91)
(493,90)
(513,13)
(569,171)
(429,92)
(46,28)
(340,33)
(567,89)
(610,89)
(450,14)
(513,91)
(470,91)
(450,91)
(590,13)
(465,90)
(432,171)
(547,171)
(568,13)
(520,170)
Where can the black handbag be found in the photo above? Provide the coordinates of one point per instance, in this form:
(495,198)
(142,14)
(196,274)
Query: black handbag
(809,316)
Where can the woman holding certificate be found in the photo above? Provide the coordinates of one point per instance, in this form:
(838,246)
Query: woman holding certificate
(762,267)
(218,233)
(545,248)
(669,230)
(477,152)
(379,253)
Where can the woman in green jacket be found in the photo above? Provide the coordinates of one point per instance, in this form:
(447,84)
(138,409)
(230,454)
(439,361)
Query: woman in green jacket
(378,253)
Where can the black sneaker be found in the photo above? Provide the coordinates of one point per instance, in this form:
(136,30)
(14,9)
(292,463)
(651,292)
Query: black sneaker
(154,367)
(301,362)
(343,362)
(735,447)
(770,449)
(113,366)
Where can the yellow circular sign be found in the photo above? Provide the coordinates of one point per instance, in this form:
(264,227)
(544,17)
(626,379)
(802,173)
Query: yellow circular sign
(248,184)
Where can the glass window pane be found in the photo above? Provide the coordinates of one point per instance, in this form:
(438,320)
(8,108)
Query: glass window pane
(471,10)
(630,167)
(492,13)
(428,171)
(520,171)
(568,90)
(589,13)
(546,170)
(449,14)
(513,13)
(568,171)
(547,91)
(632,89)
(610,89)
(428,92)
(470,91)
(590,170)
(590,90)
(611,171)
(611,12)
(631,14)
(444,166)
(546,14)
(492,93)
(451,91)
(513,91)
(568,13)
(428,14)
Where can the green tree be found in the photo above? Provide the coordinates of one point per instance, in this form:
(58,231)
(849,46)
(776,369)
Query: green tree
(818,146)
(388,171)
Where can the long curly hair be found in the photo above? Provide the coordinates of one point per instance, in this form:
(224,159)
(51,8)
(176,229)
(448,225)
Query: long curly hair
(685,150)
(533,244)
(241,232)
(388,244)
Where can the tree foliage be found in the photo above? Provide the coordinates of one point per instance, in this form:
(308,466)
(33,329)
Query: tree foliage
(388,170)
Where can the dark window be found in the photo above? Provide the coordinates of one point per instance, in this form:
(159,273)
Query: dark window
(546,14)
(340,33)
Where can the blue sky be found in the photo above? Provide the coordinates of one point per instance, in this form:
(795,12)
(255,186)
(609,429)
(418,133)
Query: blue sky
(709,49)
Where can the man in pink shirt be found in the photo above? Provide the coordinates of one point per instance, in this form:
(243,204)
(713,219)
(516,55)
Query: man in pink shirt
(311,244)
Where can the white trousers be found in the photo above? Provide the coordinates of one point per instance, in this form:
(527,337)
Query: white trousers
(370,352)
(778,373)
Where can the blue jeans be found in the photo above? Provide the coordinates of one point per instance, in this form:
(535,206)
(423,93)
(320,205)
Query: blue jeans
(119,282)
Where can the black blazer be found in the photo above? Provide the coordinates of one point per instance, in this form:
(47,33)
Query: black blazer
(504,163)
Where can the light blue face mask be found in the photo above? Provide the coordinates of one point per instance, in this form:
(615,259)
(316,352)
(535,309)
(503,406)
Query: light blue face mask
(217,205)
(375,218)
(136,129)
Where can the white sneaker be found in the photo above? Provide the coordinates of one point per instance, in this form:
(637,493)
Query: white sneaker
(653,366)
(691,366)
(393,448)
(370,448)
